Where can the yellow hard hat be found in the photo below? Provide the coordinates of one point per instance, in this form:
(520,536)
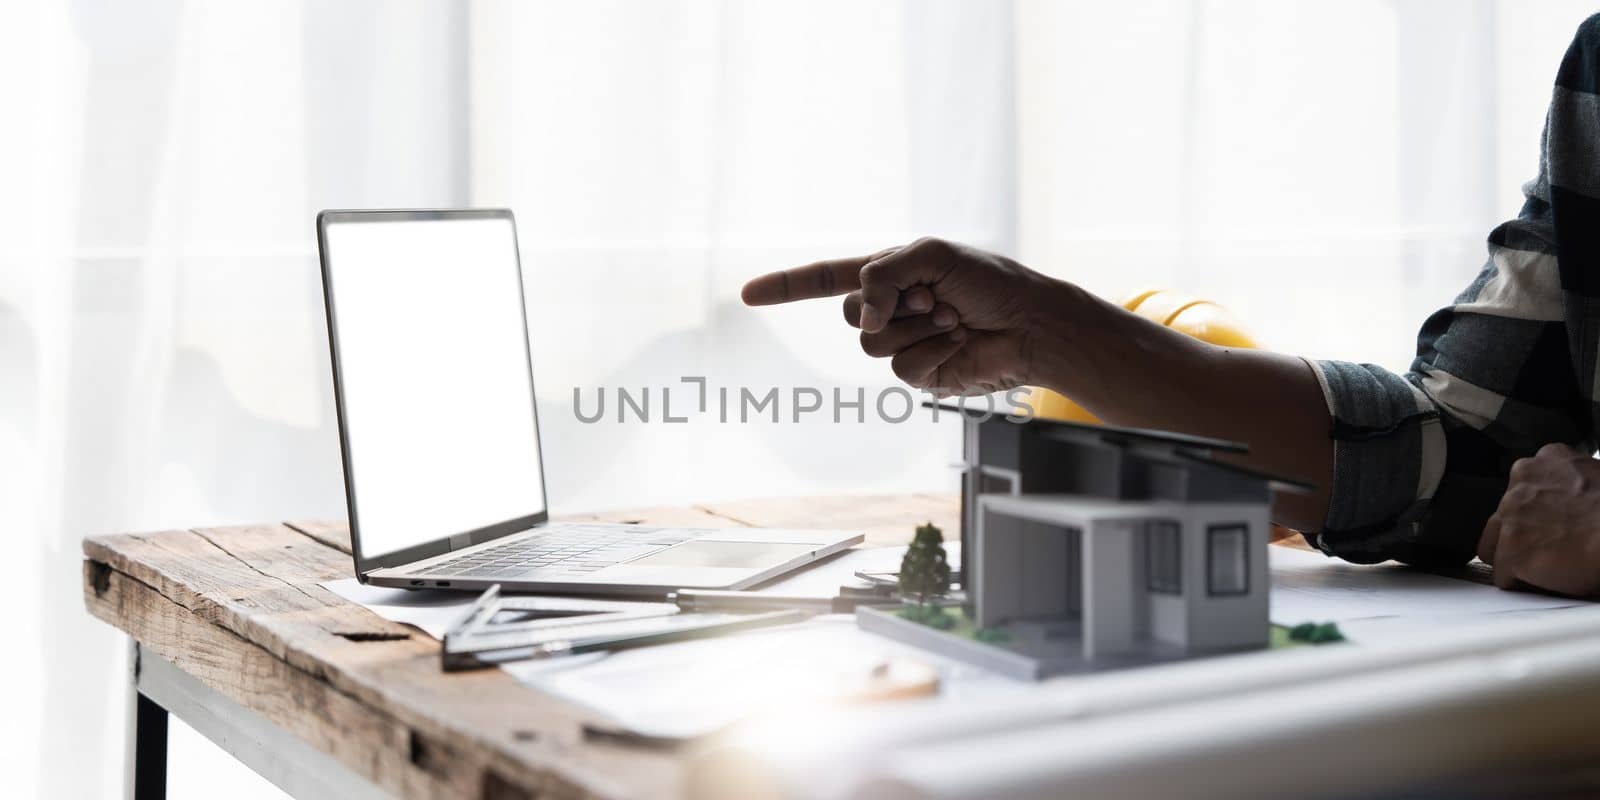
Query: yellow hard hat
(1202,319)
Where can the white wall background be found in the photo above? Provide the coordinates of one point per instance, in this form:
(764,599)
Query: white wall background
(162,356)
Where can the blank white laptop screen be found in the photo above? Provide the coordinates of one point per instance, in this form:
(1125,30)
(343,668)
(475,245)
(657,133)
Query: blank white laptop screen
(440,435)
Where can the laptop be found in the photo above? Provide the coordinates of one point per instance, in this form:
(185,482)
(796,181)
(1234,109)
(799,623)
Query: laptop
(444,480)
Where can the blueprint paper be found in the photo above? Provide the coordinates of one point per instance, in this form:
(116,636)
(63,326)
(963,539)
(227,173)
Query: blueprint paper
(693,688)
(1311,587)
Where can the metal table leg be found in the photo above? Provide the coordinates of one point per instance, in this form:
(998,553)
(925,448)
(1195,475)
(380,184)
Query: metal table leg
(146,768)
(159,687)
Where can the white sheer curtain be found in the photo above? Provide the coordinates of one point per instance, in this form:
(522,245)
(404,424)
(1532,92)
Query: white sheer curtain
(162,356)
(1329,172)
(657,155)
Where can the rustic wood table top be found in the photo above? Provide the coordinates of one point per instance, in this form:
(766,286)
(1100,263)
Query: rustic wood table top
(242,609)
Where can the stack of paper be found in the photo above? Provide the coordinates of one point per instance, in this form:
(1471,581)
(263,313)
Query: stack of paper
(691,688)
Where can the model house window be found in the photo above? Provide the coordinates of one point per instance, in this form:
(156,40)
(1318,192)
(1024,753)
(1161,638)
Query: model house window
(1163,557)
(1227,559)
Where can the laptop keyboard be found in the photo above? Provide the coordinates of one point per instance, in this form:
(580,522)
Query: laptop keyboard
(567,548)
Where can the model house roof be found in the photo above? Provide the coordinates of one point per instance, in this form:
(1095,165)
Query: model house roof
(1056,446)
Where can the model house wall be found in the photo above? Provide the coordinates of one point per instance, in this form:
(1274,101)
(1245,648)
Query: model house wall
(1224,616)
(1134,575)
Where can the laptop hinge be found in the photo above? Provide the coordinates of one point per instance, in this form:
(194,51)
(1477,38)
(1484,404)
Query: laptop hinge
(459,541)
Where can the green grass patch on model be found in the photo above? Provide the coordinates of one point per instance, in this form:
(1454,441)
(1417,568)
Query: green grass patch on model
(952,620)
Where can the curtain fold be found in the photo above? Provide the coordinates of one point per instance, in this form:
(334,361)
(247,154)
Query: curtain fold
(162,356)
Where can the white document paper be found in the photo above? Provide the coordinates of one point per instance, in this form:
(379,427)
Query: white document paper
(693,688)
(697,687)
(1311,587)
(434,610)
(431,610)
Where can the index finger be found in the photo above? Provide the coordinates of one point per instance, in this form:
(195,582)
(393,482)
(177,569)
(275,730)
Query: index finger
(822,279)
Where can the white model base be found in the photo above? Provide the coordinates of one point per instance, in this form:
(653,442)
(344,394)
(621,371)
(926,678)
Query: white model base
(1033,650)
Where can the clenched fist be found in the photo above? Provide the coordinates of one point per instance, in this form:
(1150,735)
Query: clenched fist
(1546,532)
(952,318)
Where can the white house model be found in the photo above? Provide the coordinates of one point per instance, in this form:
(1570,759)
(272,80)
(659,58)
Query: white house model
(1086,547)
(1135,580)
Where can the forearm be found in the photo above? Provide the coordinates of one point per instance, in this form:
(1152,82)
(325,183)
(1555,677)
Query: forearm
(1130,371)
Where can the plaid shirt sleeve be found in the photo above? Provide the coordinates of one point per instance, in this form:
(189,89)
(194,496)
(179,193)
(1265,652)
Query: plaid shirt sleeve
(1421,460)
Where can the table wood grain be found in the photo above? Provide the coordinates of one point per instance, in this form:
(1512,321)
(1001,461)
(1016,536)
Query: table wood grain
(242,609)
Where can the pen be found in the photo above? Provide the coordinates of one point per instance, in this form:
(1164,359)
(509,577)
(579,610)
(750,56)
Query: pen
(455,661)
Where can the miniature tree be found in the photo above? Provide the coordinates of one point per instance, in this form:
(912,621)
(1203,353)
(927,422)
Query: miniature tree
(1314,633)
(925,574)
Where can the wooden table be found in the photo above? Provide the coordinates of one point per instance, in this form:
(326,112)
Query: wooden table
(232,631)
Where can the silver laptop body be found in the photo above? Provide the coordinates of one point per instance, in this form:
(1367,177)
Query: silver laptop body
(438,428)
